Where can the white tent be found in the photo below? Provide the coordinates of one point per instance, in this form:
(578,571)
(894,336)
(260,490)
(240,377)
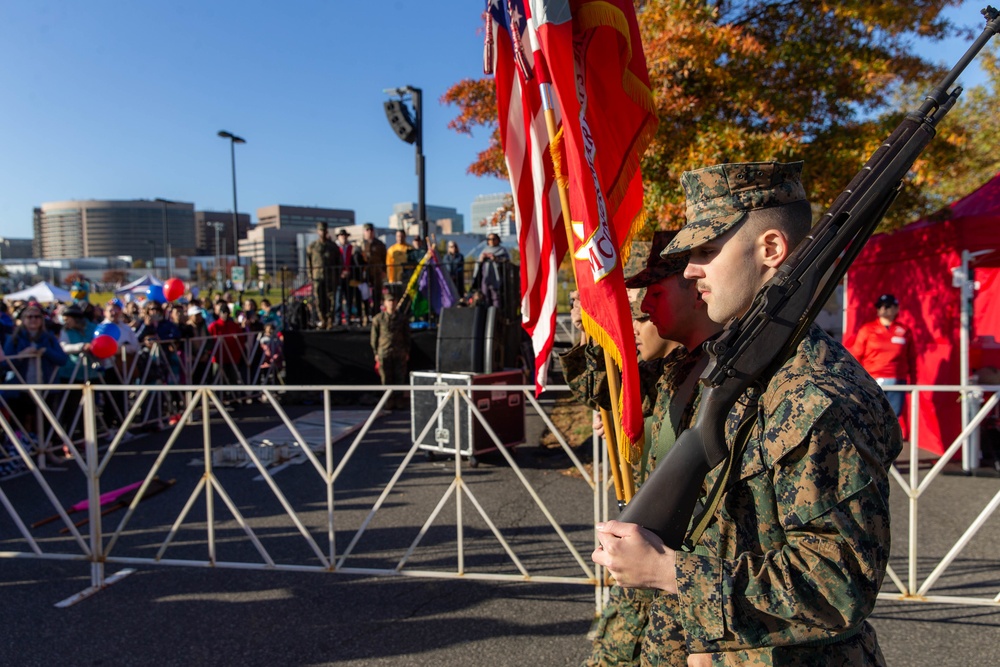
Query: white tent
(42,292)
(138,287)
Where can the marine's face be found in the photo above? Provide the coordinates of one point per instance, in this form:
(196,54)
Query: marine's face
(648,341)
(669,303)
(727,274)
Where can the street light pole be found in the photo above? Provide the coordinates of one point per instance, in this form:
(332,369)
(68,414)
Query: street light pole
(166,234)
(218,226)
(233,140)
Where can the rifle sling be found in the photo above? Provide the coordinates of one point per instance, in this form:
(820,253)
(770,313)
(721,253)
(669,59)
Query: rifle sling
(701,520)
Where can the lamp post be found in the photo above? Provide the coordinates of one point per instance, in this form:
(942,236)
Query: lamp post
(152,254)
(218,226)
(166,234)
(411,131)
(233,140)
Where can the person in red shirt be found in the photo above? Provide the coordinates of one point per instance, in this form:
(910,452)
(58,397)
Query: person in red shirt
(229,356)
(885,349)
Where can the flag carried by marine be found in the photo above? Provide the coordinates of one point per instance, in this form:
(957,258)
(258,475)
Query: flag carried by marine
(590,51)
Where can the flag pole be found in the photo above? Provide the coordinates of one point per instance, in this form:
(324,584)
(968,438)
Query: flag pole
(620,471)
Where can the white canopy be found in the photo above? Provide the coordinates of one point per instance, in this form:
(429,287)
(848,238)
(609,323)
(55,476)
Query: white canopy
(42,292)
(139,286)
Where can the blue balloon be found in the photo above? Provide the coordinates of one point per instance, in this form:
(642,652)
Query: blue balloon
(108,329)
(155,293)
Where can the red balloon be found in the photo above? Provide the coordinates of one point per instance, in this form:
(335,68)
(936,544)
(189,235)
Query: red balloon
(103,346)
(173,289)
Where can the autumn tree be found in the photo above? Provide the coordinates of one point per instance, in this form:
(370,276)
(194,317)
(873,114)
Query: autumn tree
(114,276)
(769,80)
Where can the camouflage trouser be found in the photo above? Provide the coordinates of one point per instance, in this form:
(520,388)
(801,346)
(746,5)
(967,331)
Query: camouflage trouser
(392,370)
(621,627)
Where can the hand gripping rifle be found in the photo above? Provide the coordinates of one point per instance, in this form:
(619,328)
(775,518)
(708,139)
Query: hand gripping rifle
(755,345)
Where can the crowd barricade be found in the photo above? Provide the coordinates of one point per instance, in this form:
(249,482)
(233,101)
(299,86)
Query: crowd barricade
(915,486)
(168,363)
(216,510)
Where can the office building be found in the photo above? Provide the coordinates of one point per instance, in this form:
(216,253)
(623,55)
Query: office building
(484,207)
(107,228)
(212,225)
(404,216)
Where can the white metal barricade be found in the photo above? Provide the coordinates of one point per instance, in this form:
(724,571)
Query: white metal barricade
(913,589)
(103,544)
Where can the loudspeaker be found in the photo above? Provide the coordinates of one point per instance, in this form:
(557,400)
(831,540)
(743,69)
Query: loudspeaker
(462,340)
(399,117)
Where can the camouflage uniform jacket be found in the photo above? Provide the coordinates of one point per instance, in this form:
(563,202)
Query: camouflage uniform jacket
(799,545)
(324,260)
(390,336)
(659,379)
(374,253)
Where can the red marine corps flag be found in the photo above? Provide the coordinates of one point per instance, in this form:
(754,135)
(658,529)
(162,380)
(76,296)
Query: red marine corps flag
(593,54)
(541,233)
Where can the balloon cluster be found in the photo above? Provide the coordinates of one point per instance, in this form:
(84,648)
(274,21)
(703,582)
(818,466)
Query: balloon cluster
(106,335)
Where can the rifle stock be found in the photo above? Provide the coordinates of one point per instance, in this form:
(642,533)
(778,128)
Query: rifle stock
(754,345)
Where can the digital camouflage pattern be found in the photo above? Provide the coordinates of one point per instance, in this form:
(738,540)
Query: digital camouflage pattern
(322,257)
(625,618)
(637,262)
(720,196)
(621,628)
(657,266)
(790,567)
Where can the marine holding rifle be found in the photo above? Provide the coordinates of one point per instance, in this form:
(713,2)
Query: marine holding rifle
(788,567)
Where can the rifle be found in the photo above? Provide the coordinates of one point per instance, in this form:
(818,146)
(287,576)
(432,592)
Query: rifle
(755,345)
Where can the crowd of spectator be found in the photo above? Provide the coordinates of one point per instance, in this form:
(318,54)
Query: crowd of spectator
(195,342)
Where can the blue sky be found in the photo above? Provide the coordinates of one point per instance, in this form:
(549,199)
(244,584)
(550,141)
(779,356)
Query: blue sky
(122,100)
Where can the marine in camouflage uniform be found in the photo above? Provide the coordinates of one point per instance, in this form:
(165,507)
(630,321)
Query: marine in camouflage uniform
(789,568)
(390,341)
(323,259)
(668,403)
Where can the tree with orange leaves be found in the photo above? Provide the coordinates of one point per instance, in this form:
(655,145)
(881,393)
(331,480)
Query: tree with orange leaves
(777,80)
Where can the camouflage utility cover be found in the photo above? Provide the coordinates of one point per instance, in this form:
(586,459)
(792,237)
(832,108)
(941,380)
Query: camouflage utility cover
(720,196)
(657,266)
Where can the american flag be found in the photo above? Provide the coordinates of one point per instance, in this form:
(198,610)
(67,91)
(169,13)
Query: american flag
(541,235)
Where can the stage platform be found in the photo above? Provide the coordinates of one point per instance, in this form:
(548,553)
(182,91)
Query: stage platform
(345,357)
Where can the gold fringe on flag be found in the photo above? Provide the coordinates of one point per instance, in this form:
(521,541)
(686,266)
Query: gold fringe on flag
(629,451)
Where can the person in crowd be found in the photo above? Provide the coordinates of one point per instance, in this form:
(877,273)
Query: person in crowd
(490,267)
(885,348)
(343,300)
(454,264)
(116,368)
(670,323)
(252,328)
(269,314)
(133,314)
(396,258)
(39,356)
(374,253)
(75,339)
(229,351)
(323,259)
(200,346)
(6,323)
(390,342)
(273,355)
(788,569)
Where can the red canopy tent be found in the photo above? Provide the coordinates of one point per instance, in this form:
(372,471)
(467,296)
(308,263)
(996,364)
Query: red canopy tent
(916,264)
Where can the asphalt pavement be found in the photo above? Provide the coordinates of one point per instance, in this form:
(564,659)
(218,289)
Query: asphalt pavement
(166,615)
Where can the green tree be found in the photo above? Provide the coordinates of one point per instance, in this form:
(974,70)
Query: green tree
(771,79)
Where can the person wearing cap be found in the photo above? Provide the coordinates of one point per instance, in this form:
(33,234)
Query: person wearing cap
(343,300)
(323,261)
(885,348)
(789,567)
(670,362)
(373,252)
(75,339)
(390,342)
